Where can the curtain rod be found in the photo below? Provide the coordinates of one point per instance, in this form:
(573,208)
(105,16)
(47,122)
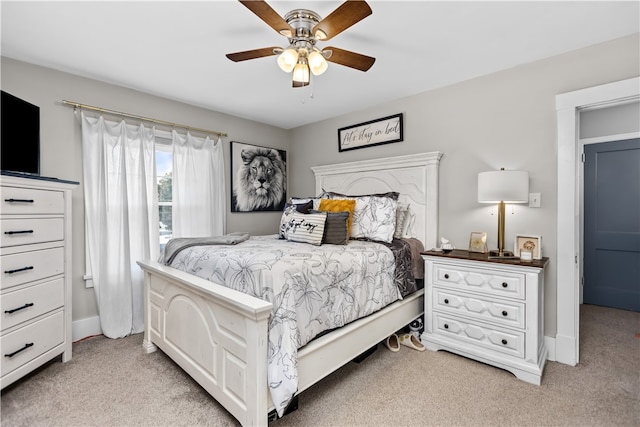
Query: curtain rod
(146,119)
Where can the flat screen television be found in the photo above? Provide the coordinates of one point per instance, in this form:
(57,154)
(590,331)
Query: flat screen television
(20,135)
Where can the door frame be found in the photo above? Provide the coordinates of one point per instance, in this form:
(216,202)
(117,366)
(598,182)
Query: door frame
(569,204)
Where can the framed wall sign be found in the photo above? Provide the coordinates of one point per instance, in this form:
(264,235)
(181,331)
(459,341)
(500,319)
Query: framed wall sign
(375,132)
(258,178)
(525,243)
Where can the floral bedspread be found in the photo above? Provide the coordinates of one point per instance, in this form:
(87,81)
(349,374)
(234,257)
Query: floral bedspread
(312,289)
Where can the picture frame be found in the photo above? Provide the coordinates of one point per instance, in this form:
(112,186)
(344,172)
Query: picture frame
(368,134)
(528,243)
(478,242)
(258,178)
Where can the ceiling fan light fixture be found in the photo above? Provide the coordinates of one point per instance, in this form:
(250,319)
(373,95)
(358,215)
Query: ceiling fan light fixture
(288,60)
(317,63)
(301,74)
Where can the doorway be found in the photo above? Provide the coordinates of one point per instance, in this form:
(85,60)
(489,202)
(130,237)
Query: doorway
(611,276)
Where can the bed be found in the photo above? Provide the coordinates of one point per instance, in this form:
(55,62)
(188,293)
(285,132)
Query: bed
(219,336)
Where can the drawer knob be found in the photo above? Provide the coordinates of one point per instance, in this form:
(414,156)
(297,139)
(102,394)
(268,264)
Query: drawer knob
(27,305)
(26,346)
(18,200)
(504,313)
(504,342)
(505,284)
(17,270)
(18,232)
(446,301)
(446,326)
(446,276)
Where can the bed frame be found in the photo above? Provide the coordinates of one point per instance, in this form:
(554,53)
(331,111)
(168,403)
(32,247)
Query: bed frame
(219,335)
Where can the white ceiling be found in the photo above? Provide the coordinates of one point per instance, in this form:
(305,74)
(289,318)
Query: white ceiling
(177,49)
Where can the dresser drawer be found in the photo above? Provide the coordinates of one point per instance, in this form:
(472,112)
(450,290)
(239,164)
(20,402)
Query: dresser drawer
(27,231)
(26,267)
(17,200)
(492,338)
(25,344)
(502,313)
(486,281)
(26,303)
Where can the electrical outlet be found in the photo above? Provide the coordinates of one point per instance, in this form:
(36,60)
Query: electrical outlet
(534,200)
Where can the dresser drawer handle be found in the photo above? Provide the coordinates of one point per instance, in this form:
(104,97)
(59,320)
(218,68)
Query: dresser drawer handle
(446,301)
(446,276)
(505,284)
(446,326)
(504,342)
(17,270)
(18,200)
(26,346)
(19,232)
(27,305)
(504,313)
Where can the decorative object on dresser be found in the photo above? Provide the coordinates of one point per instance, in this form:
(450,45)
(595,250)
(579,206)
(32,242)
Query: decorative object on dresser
(478,242)
(527,243)
(35,292)
(503,187)
(487,309)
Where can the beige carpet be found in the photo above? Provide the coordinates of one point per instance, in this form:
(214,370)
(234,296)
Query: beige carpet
(114,383)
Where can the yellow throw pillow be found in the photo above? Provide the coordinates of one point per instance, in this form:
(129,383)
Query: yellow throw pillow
(333,205)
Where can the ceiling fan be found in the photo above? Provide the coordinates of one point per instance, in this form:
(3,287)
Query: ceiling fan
(303,28)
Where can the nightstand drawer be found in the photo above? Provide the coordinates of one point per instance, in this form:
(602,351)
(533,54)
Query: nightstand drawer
(28,231)
(487,281)
(18,200)
(29,266)
(27,343)
(502,313)
(27,303)
(492,338)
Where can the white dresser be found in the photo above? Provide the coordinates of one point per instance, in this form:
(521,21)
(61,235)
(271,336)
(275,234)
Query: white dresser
(488,310)
(35,263)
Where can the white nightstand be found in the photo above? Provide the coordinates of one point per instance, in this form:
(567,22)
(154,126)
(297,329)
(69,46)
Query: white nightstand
(486,309)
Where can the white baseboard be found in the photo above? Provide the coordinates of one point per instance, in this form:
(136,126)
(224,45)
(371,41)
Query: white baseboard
(551,348)
(84,328)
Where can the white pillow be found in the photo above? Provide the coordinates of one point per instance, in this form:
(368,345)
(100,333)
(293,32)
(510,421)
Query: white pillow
(409,230)
(374,217)
(305,228)
(401,217)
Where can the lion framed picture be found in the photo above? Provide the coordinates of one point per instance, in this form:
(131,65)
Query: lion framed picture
(528,243)
(258,178)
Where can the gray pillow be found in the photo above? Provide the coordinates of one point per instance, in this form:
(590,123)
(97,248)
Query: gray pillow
(335,228)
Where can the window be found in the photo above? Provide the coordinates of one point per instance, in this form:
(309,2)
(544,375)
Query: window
(164,178)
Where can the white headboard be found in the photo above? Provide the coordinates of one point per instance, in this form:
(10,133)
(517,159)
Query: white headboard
(414,176)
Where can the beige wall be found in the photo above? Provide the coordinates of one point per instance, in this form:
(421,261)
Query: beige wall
(506,119)
(61,147)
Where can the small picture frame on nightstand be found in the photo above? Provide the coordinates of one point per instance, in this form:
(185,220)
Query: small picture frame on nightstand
(478,242)
(528,243)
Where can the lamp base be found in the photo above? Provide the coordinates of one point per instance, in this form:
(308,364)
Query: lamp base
(496,254)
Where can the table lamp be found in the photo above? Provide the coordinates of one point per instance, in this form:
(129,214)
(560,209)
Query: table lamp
(503,187)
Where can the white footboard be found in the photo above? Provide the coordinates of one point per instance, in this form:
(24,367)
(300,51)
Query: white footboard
(217,335)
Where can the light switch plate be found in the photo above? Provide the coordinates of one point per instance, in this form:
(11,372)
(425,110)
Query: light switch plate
(534,200)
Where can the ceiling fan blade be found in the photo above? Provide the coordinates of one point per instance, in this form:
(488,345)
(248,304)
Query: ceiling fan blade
(347,14)
(252,54)
(349,59)
(270,16)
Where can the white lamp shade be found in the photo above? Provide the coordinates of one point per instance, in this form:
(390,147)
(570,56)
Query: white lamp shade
(317,63)
(503,186)
(287,60)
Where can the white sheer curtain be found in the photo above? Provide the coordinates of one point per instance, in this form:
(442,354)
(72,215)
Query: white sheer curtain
(121,218)
(198,187)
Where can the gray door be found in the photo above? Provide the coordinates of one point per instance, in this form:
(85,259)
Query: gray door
(612,224)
